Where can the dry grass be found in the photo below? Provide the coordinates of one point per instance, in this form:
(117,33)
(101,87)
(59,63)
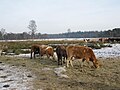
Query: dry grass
(107,77)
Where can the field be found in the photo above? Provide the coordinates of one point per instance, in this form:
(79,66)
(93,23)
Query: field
(43,75)
(22,73)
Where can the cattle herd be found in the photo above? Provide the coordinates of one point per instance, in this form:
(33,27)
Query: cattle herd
(65,54)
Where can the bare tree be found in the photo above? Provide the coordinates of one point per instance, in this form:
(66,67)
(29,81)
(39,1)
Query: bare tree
(2,32)
(32,26)
(69,30)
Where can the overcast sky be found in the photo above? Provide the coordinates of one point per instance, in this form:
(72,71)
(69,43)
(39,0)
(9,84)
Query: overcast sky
(56,16)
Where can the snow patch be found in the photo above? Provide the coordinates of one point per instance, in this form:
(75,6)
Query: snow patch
(59,71)
(113,51)
(15,78)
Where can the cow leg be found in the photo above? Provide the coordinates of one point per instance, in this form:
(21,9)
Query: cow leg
(31,55)
(82,63)
(64,59)
(68,62)
(48,56)
(71,63)
(53,57)
(34,55)
(59,60)
(40,56)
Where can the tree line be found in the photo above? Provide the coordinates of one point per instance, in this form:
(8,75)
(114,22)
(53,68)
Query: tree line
(88,34)
(79,34)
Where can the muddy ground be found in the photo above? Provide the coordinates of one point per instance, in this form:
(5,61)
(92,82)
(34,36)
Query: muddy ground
(40,74)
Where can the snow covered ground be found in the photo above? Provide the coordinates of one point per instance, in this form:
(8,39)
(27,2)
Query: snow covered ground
(106,52)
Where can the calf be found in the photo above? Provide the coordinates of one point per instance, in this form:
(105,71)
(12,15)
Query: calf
(81,52)
(61,53)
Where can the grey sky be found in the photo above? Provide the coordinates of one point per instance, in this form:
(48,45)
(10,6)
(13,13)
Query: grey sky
(56,16)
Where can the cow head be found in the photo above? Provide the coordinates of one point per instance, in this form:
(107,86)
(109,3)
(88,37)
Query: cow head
(96,64)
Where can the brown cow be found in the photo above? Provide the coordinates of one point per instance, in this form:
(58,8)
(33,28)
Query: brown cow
(81,52)
(61,54)
(35,49)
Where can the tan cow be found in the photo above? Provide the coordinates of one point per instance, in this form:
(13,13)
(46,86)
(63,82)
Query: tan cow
(81,52)
(47,50)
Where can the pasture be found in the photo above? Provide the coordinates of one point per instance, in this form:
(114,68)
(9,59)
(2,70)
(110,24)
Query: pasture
(104,78)
(45,76)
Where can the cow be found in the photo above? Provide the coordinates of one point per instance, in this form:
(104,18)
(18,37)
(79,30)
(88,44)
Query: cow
(61,54)
(35,49)
(46,50)
(81,52)
(43,49)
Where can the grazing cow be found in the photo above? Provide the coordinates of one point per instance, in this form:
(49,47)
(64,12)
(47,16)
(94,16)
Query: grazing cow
(35,49)
(81,52)
(47,50)
(61,53)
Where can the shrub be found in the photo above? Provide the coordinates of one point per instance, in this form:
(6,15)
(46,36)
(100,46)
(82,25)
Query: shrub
(17,51)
